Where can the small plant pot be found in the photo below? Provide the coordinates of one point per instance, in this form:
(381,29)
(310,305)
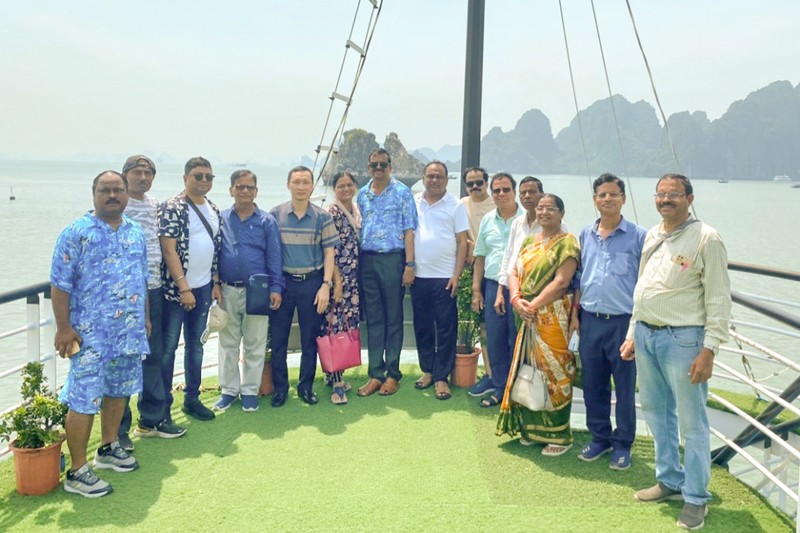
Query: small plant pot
(466,369)
(267,387)
(37,470)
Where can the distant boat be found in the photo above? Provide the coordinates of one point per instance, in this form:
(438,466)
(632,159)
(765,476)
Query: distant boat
(782,177)
(241,165)
(796,186)
(722,181)
(12,197)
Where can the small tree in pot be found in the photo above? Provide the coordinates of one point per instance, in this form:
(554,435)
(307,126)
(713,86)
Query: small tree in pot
(468,335)
(36,430)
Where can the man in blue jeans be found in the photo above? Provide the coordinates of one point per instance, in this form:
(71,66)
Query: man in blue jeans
(189,229)
(611,249)
(140,171)
(681,311)
(490,246)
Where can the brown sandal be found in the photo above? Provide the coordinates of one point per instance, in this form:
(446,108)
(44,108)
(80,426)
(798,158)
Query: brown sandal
(442,390)
(424,382)
(370,387)
(390,386)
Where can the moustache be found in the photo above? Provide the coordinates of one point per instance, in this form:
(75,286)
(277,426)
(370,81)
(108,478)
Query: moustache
(666,204)
(112,202)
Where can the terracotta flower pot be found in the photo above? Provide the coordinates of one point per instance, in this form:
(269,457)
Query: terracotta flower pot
(37,470)
(266,380)
(466,369)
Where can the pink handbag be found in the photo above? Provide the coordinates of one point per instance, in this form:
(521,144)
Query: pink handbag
(339,351)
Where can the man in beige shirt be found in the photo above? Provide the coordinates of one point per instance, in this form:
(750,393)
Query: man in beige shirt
(681,310)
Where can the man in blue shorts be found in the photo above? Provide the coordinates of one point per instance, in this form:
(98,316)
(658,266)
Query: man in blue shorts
(99,290)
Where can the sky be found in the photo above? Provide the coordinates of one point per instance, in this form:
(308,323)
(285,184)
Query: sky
(249,80)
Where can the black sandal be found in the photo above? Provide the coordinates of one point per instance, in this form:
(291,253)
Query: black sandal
(491,401)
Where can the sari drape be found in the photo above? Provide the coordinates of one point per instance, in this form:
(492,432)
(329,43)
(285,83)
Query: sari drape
(543,342)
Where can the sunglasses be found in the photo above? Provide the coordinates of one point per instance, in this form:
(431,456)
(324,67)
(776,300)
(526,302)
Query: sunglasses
(201,176)
(498,190)
(381,164)
(245,188)
(476,183)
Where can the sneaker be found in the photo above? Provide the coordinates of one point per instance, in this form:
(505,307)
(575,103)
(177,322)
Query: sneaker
(657,493)
(225,401)
(164,429)
(593,451)
(115,458)
(86,483)
(195,408)
(620,460)
(482,387)
(249,403)
(125,442)
(692,516)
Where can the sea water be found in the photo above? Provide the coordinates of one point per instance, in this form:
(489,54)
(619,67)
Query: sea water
(757,221)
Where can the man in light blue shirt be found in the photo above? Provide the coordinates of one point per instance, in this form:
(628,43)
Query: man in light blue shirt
(490,246)
(610,252)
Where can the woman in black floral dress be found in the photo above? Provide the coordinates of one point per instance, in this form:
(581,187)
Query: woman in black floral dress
(343,314)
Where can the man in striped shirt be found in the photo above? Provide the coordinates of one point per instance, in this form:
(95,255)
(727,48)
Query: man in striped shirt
(307,237)
(681,310)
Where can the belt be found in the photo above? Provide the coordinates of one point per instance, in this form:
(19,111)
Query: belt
(605,316)
(651,327)
(235,283)
(303,277)
(373,252)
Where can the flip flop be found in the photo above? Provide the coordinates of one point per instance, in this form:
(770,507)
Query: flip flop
(420,384)
(491,401)
(339,397)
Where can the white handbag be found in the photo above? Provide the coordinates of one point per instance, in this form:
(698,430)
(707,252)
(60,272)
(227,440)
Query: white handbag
(530,389)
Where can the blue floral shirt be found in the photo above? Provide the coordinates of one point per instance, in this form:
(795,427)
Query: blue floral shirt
(105,273)
(386,217)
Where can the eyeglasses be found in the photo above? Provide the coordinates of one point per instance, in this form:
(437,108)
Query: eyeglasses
(435,177)
(378,164)
(612,195)
(346,186)
(529,192)
(201,176)
(505,190)
(548,209)
(475,183)
(245,188)
(670,195)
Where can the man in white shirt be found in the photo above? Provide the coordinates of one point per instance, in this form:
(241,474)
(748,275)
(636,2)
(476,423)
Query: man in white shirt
(440,248)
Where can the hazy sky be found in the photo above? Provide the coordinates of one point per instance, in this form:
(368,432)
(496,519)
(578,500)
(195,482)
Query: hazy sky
(249,80)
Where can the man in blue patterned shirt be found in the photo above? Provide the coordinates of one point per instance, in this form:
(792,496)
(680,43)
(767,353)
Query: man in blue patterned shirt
(387,268)
(99,289)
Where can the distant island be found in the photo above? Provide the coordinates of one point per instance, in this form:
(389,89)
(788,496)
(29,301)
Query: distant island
(756,138)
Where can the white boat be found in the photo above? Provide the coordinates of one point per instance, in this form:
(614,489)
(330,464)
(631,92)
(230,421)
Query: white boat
(782,177)
(12,197)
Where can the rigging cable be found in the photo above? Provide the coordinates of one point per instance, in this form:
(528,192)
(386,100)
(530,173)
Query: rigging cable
(330,149)
(655,94)
(575,100)
(614,113)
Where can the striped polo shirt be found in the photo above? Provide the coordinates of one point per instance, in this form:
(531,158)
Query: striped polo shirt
(304,239)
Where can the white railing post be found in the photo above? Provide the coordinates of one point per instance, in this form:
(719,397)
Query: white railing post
(33,340)
(48,339)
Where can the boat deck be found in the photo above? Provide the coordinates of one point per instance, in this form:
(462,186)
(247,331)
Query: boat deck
(402,463)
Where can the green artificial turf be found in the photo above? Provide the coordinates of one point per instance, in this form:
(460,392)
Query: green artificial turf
(404,463)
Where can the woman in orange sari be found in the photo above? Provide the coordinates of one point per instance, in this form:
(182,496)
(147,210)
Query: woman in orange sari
(541,296)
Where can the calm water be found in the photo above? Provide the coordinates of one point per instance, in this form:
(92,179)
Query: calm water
(757,220)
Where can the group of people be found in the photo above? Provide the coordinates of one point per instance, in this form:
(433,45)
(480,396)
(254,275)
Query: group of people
(617,302)
(128,276)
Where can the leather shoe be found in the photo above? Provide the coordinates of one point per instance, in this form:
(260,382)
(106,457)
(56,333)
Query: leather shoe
(370,387)
(389,387)
(308,397)
(194,407)
(278,399)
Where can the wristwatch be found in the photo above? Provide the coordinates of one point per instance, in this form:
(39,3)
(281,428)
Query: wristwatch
(411,264)
(328,282)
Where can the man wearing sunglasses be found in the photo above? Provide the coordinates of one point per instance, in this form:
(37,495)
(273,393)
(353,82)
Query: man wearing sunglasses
(189,229)
(477,203)
(387,267)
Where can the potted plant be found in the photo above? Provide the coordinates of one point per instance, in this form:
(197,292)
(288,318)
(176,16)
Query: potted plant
(34,432)
(468,335)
